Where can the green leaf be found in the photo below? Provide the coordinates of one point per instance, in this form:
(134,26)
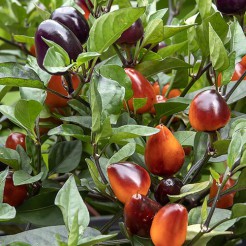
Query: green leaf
(139,103)
(193,230)
(215,175)
(54,62)
(73,237)
(85,57)
(3,176)
(84,121)
(10,157)
(204,7)
(65,156)
(123,153)
(170,31)
(238,210)
(237,41)
(185,138)
(26,112)
(171,49)
(118,74)
(20,177)
(71,204)
(93,237)
(8,111)
(218,53)
(235,147)
(153,33)
(158,14)
(190,189)
(221,146)
(108,28)
(57,48)
(106,130)
(150,68)
(69,130)
(112,96)
(204,212)
(132,131)
(24,39)
(96,106)
(7,212)
(172,106)
(40,236)
(14,74)
(95,175)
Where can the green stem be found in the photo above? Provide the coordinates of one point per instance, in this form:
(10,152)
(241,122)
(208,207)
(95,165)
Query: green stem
(201,71)
(211,212)
(56,93)
(68,79)
(228,95)
(18,45)
(122,58)
(114,219)
(196,168)
(108,7)
(38,146)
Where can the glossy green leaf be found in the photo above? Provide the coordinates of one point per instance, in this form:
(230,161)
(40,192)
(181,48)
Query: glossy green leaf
(85,57)
(3,176)
(20,177)
(10,157)
(123,153)
(153,33)
(218,53)
(112,96)
(95,175)
(204,7)
(65,156)
(238,210)
(172,106)
(170,31)
(96,106)
(190,189)
(24,39)
(171,49)
(85,121)
(26,112)
(108,28)
(14,74)
(71,204)
(185,138)
(7,212)
(150,68)
(118,74)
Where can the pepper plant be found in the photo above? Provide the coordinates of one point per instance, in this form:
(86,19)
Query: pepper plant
(128,111)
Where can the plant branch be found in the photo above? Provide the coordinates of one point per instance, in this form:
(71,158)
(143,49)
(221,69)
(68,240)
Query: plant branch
(122,58)
(69,82)
(228,95)
(108,7)
(196,168)
(18,45)
(201,71)
(114,219)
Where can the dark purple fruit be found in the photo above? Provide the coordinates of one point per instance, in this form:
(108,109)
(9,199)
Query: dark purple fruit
(139,213)
(132,34)
(231,6)
(74,20)
(58,33)
(170,186)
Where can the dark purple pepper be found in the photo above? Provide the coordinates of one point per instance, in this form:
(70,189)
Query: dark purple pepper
(169,186)
(58,33)
(132,34)
(231,6)
(74,20)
